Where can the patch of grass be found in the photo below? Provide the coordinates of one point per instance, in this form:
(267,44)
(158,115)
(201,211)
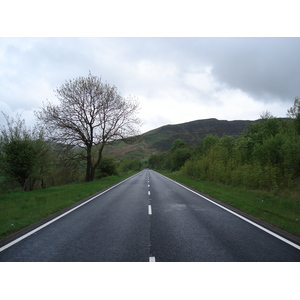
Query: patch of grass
(282,210)
(21,209)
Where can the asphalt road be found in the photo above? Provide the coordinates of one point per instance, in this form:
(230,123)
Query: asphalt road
(150,218)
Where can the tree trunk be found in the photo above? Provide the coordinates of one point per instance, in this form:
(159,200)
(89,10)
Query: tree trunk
(89,167)
(23,183)
(93,170)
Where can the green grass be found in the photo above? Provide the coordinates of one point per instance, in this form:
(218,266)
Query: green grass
(21,209)
(282,210)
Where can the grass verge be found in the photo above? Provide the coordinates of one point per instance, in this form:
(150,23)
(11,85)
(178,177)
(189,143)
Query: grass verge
(282,210)
(21,209)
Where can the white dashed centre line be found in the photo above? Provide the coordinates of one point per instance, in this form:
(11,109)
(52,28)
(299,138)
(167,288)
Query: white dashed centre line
(151,259)
(149,210)
(149,193)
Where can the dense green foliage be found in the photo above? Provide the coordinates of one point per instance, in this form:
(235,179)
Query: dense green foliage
(265,156)
(172,160)
(23,154)
(130,164)
(108,167)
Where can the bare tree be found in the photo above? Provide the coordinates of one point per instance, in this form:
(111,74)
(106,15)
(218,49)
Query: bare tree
(91,114)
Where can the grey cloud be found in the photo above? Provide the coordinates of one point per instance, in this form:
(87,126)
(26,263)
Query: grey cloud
(266,68)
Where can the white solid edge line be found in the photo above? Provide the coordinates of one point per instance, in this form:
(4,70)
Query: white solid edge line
(151,259)
(236,214)
(60,216)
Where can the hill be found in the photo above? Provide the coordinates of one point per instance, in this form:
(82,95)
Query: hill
(161,139)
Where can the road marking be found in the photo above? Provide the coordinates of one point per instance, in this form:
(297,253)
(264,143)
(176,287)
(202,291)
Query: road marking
(149,210)
(151,259)
(60,216)
(149,193)
(236,214)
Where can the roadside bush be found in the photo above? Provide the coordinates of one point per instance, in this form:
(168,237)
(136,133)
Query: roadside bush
(266,156)
(107,167)
(23,153)
(179,157)
(130,165)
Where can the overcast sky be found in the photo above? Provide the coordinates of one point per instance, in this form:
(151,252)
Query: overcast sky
(175,79)
(134,45)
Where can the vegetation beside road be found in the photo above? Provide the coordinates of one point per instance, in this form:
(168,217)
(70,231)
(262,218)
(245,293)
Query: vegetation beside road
(20,209)
(281,210)
(257,172)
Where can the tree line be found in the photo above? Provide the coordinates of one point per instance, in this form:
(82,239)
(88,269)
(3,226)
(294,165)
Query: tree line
(265,156)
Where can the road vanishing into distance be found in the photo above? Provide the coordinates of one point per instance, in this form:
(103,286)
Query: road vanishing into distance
(148,218)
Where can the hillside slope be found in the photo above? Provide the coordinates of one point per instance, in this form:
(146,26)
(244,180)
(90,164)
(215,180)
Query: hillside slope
(161,139)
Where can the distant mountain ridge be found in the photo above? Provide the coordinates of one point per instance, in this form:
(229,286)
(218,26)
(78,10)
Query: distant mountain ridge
(161,139)
(191,132)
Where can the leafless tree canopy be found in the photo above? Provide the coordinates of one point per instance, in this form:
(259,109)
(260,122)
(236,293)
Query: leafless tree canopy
(90,115)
